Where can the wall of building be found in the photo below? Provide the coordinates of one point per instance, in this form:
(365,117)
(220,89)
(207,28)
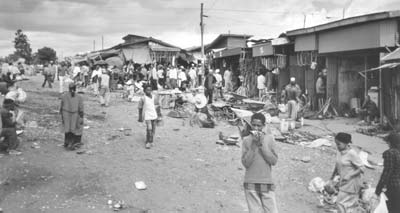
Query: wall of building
(221,44)
(358,37)
(391,94)
(344,81)
(350,82)
(306,42)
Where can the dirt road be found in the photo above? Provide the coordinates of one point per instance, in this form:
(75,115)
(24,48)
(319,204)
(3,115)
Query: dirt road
(186,171)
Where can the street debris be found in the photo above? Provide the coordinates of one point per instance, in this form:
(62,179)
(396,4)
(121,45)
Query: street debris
(19,132)
(140,185)
(305,159)
(116,205)
(296,137)
(35,146)
(316,184)
(317,143)
(113,137)
(89,152)
(326,111)
(377,130)
(228,140)
(364,159)
(14,152)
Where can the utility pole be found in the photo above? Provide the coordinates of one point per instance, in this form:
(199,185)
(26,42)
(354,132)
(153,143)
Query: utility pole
(304,20)
(94,45)
(344,11)
(202,32)
(102,42)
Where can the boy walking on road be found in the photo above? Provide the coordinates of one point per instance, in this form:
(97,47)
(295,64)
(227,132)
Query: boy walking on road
(258,157)
(150,112)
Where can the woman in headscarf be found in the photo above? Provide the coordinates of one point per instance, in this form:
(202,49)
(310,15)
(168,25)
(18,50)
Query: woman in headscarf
(390,178)
(350,168)
(72,118)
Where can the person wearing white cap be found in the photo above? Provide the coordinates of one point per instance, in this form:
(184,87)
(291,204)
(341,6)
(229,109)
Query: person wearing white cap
(292,95)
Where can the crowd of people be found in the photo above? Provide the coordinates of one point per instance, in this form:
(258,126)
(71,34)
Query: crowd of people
(259,153)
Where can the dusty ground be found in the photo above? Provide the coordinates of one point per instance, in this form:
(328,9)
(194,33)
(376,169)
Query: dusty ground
(186,171)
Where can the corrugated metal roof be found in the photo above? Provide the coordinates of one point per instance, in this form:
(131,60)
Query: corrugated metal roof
(165,49)
(222,36)
(346,22)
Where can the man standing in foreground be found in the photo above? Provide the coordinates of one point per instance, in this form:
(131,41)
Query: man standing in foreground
(258,157)
(71,111)
(150,112)
(292,95)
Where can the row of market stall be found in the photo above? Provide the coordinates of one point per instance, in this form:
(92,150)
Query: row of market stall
(138,50)
(347,49)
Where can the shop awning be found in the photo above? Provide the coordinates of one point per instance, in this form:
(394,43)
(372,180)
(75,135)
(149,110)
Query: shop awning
(228,52)
(395,55)
(384,66)
(78,59)
(165,49)
(265,49)
(280,41)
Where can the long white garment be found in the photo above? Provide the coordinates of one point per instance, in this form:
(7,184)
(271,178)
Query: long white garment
(61,88)
(149,109)
(260,82)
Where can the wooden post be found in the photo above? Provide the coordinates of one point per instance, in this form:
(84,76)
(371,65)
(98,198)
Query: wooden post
(366,76)
(202,41)
(380,96)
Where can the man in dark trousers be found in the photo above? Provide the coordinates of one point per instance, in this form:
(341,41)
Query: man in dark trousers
(292,95)
(209,84)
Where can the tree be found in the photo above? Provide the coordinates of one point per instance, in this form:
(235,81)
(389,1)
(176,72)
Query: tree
(46,54)
(22,46)
(11,57)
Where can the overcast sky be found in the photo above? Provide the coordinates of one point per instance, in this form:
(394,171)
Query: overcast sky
(70,26)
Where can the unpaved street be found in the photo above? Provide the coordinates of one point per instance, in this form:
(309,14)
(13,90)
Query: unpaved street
(186,171)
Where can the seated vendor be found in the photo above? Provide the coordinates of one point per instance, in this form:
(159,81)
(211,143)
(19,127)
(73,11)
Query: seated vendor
(184,86)
(201,103)
(7,77)
(12,92)
(8,133)
(369,110)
